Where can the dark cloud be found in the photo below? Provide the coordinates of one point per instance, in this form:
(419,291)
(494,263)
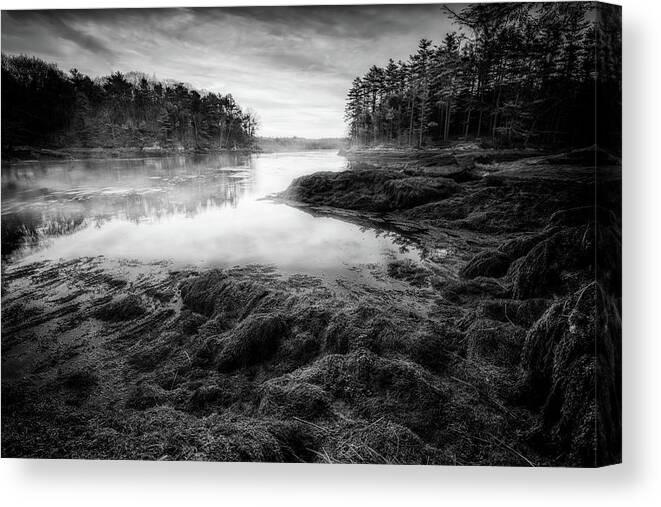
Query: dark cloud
(54,23)
(293,65)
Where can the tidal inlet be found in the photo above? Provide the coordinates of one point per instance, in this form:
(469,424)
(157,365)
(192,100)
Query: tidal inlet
(375,234)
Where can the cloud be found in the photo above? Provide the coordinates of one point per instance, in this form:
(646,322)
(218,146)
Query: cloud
(52,24)
(292,65)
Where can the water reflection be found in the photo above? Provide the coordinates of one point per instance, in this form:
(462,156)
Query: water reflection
(200,210)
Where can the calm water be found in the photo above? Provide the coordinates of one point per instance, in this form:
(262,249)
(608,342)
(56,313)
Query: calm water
(205,211)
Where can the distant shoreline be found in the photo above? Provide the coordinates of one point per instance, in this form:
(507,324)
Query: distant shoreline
(36,154)
(33,154)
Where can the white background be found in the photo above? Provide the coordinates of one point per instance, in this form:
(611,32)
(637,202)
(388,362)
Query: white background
(636,482)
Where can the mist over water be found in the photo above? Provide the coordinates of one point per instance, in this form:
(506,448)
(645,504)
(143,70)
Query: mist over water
(207,211)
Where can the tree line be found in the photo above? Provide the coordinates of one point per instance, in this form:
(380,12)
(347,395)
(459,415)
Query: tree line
(514,73)
(279,144)
(44,107)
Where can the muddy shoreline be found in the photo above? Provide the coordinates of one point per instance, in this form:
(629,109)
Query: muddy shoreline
(484,356)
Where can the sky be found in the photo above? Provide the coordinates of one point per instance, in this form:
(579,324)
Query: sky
(291,65)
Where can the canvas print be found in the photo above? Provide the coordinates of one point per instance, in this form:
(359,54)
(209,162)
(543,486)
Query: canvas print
(376,234)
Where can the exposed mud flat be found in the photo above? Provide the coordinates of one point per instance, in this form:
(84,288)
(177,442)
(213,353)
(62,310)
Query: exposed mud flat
(486,354)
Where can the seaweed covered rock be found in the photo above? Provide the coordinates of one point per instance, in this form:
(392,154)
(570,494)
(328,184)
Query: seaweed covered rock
(215,293)
(254,340)
(609,261)
(434,349)
(522,244)
(458,173)
(146,355)
(377,329)
(490,263)
(168,434)
(369,189)
(204,396)
(220,391)
(573,216)
(199,293)
(477,289)
(395,389)
(285,397)
(361,189)
(191,321)
(409,271)
(520,312)
(588,156)
(409,192)
(571,369)
(124,307)
(145,395)
(383,442)
(357,327)
(556,263)
(79,379)
(497,342)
